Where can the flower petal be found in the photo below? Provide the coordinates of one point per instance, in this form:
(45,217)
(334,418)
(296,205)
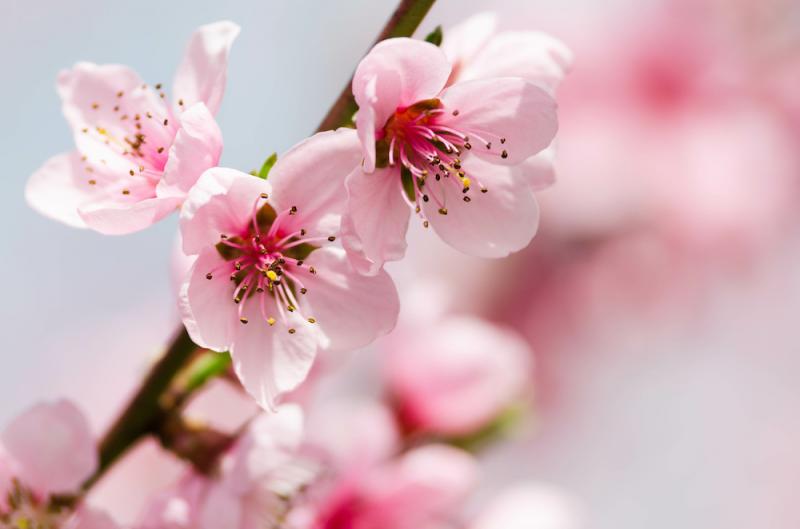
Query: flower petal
(516,110)
(52,446)
(395,73)
(88,518)
(221,202)
(311,177)
(197,147)
(538,170)
(374,227)
(268,359)
(351,309)
(531,55)
(120,218)
(59,188)
(206,306)
(492,224)
(463,42)
(530,506)
(201,76)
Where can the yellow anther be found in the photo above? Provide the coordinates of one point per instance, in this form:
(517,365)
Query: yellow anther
(271,320)
(466,181)
(271,275)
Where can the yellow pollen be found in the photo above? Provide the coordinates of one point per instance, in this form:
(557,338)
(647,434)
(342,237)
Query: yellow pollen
(271,320)
(272,275)
(466,181)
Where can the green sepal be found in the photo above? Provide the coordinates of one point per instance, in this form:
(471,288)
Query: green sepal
(267,166)
(435,37)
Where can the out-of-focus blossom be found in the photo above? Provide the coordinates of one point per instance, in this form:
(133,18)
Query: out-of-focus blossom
(446,152)
(45,453)
(263,286)
(367,485)
(136,155)
(249,489)
(453,375)
(529,506)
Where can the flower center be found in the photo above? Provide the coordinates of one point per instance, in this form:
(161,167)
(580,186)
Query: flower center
(137,131)
(25,510)
(423,140)
(265,263)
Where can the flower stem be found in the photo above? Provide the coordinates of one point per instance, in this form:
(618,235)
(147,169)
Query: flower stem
(403,23)
(157,398)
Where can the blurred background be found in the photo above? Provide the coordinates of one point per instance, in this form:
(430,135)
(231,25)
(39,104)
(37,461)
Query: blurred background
(660,297)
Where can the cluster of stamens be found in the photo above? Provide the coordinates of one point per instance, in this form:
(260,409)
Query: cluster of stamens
(429,153)
(25,510)
(140,136)
(265,262)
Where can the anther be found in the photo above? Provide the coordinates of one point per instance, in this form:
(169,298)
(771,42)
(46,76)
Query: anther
(467,146)
(467,199)
(300,262)
(223,236)
(331,238)
(264,196)
(484,190)
(489,145)
(292,331)
(126,192)
(292,210)
(131,172)
(271,320)
(166,122)
(95,106)
(425,197)
(425,224)
(442,211)
(303,290)
(237,265)
(290,308)
(302,232)
(160,150)
(209,276)
(271,275)
(92,182)
(502,140)
(455,112)
(180,102)
(312,320)
(504,154)
(312,270)
(158,86)
(243,320)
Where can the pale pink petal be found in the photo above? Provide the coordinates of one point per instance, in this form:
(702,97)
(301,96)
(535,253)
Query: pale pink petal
(530,55)
(530,506)
(395,73)
(206,313)
(120,218)
(221,508)
(220,203)
(454,376)
(311,175)
(268,359)
(88,518)
(351,309)
(538,170)
(52,446)
(376,219)
(178,507)
(197,147)
(59,188)
(464,41)
(201,76)
(352,433)
(492,224)
(513,109)
(90,98)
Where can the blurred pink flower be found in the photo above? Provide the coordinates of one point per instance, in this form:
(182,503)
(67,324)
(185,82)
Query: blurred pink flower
(136,156)
(46,451)
(261,286)
(419,489)
(452,375)
(529,506)
(426,146)
(250,489)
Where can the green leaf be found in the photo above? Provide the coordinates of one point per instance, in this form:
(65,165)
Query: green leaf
(435,37)
(268,163)
(408,184)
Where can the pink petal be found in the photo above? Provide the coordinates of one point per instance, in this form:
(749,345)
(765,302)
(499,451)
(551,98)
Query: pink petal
(538,170)
(530,55)
(374,227)
(197,147)
(120,218)
(201,76)
(221,202)
(514,109)
(206,306)
(89,95)
(311,177)
(351,309)
(88,518)
(59,188)
(454,376)
(463,42)
(268,360)
(52,446)
(493,224)
(221,508)
(395,73)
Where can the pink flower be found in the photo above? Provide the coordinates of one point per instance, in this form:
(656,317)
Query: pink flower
(249,489)
(453,375)
(446,152)
(267,284)
(529,506)
(477,51)
(420,489)
(136,156)
(47,451)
